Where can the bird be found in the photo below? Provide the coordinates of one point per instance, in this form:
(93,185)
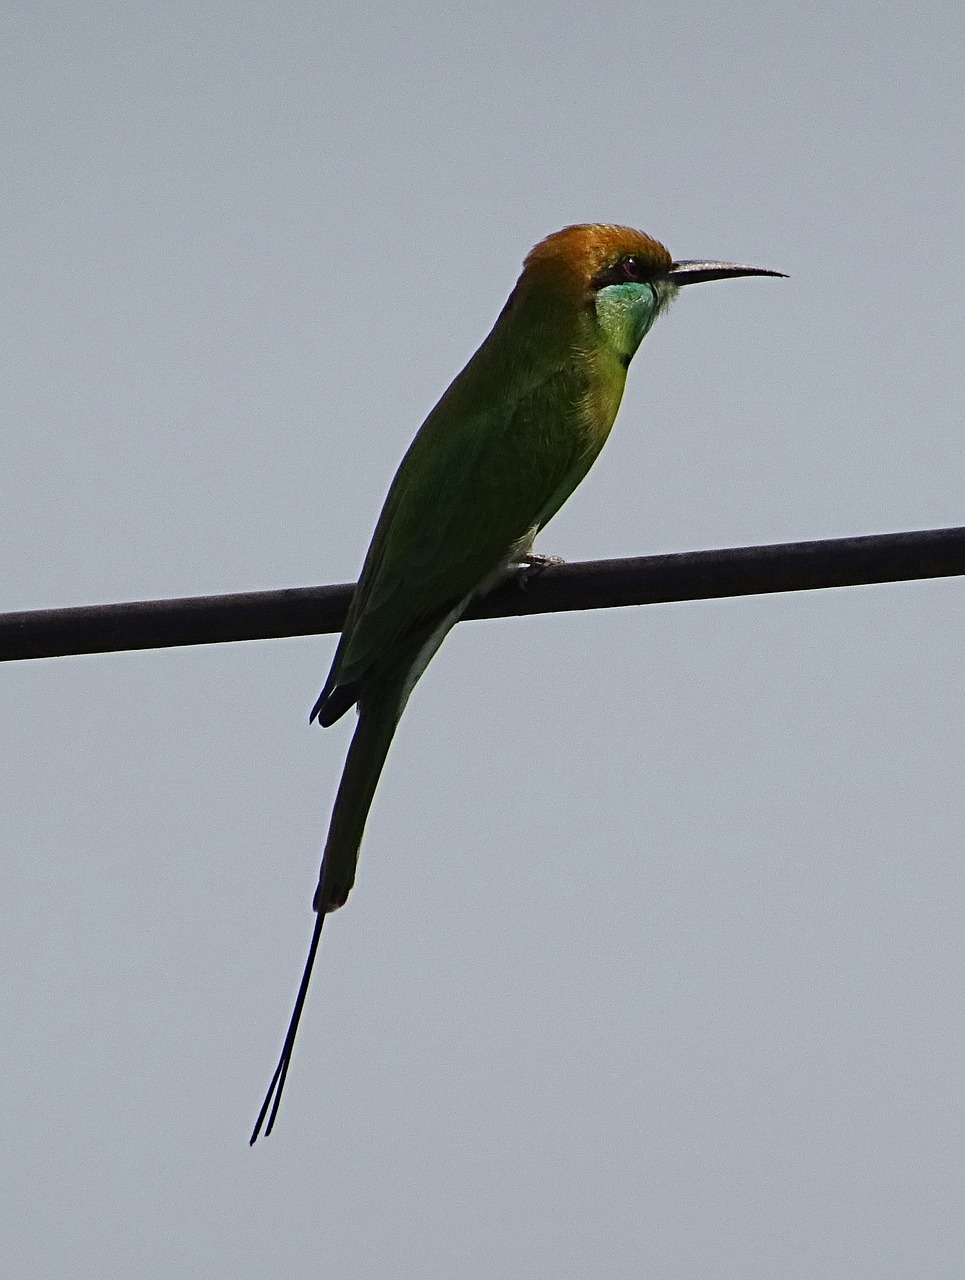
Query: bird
(506,445)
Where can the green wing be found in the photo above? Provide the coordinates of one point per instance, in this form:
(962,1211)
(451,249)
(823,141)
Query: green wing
(475,484)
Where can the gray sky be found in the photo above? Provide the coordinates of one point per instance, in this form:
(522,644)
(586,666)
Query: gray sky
(655,962)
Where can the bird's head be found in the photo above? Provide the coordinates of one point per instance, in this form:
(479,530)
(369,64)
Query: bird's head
(623,276)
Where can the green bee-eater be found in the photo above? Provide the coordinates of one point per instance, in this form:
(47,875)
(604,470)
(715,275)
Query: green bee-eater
(496,458)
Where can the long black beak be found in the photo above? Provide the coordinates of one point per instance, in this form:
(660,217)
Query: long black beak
(693,271)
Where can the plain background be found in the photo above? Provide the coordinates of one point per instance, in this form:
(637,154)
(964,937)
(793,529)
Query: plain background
(655,962)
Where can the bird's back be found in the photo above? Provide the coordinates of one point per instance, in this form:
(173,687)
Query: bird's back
(504,447)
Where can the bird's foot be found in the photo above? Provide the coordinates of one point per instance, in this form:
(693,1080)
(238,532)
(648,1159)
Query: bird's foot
(533,564)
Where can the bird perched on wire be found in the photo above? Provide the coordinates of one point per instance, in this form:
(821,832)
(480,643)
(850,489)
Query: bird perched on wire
(496,458)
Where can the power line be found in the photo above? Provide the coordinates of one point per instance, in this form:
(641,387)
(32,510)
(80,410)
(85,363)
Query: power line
(591,584)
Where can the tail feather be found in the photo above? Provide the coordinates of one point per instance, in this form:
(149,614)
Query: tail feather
(363,765)
(360,777)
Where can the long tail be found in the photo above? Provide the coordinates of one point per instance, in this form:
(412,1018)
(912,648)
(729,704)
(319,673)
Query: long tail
(363,765)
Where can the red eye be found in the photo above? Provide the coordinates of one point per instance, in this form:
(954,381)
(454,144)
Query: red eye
(632,268)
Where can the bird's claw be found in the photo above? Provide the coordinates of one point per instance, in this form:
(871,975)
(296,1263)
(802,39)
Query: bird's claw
(532,565)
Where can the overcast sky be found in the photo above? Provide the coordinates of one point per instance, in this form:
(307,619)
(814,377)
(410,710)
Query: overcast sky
(655,965)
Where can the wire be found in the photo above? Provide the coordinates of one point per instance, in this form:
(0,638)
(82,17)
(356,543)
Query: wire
(591,584)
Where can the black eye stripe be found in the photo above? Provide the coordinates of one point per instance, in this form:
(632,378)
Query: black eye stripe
(630,269)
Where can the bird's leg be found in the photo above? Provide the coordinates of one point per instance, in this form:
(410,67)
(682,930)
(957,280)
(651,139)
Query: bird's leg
(532,564)
(534,560)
